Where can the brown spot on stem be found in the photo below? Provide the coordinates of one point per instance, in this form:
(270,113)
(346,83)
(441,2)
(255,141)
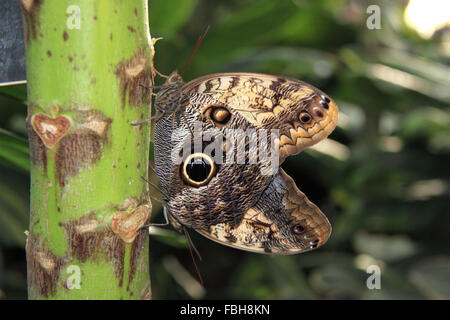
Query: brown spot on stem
(43,268)
(94,120)
(65,35)
(50,130)
(49,53)
(28,4)
(30,12)
(146,293)
(83,238)
(136,249)
(76,151)
(89,225)
(83,147)
(126,225)
(38,151)
(132,74)
(130,217)
(87,241)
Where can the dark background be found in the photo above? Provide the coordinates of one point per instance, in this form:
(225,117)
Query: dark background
(381,177)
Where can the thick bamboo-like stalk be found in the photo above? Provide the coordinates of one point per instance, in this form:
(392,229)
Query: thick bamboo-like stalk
(86,61)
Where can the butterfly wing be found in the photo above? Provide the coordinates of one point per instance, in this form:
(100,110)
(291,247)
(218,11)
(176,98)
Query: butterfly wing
(239,206)
(283,221)
(303,114)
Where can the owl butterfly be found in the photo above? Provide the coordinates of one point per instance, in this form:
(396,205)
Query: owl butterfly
(236,203)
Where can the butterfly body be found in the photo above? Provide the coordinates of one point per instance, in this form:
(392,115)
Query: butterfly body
(218,142)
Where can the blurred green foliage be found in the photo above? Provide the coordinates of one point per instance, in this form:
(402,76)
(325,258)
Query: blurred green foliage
(382,178)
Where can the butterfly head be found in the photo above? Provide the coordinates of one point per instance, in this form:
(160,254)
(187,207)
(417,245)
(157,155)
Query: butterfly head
(169,95)
(174,79)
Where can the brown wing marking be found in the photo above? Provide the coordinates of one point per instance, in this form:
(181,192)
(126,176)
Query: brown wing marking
(270,102)
(283,221)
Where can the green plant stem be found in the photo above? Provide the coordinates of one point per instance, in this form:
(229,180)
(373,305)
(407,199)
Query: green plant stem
(85,62)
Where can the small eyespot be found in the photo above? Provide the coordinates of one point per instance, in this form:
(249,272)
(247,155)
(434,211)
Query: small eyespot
(325,98)
(318,112)
(313,244)
(198,169)
(219,114)
(304,117)
(298,229)
(325,104)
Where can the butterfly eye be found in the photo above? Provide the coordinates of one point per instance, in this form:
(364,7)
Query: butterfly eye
(298,229)
(198,169)
(304,117)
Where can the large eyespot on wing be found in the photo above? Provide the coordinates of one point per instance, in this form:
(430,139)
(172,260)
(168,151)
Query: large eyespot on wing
(198,169)
(303,114)
(283,221)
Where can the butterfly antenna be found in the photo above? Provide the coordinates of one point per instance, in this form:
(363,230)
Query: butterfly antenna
(197,44)
(193,246)
(190,246)
(153,185)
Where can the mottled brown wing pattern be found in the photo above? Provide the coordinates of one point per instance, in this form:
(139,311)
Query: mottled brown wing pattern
(238,206)
(283,221)
(303,114)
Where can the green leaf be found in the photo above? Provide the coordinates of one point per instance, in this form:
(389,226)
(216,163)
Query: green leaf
(167,16)
(384,247)
(263,277)
(303,63)
(432,277)
(338,281)
(13,216)
(18,92)
(14,151)
(169,237)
